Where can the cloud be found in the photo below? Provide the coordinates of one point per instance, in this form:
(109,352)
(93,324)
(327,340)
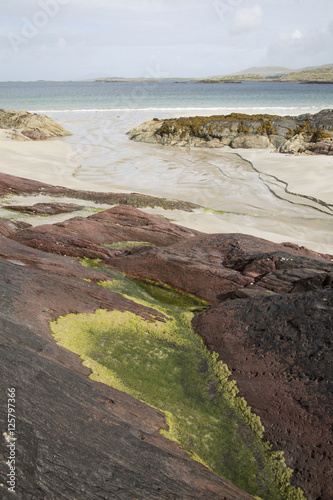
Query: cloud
(247,19)
(149,6)
(307,48)
(61,44)
(295,35)
(186,37)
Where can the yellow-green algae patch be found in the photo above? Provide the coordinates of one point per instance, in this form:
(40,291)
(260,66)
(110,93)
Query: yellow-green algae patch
(166,365)
(128,244)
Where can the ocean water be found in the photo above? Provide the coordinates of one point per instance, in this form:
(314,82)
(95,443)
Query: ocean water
(100,114)
(37,96)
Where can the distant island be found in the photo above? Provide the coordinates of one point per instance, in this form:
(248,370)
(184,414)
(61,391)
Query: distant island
(317,74)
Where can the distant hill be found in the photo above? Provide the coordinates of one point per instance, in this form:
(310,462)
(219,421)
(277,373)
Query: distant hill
(316,74)
(265,71)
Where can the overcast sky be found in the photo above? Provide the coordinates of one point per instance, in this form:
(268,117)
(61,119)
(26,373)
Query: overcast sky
(76,39)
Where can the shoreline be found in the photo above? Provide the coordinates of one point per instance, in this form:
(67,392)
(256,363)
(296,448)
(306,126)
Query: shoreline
(55,162)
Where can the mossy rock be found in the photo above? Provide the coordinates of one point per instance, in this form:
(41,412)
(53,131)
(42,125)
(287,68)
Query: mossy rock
(206,127)
(166,365)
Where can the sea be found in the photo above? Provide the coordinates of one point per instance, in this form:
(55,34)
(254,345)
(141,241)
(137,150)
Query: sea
(165,95)
(99,114)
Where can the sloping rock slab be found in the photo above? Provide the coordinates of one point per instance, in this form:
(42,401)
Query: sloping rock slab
(194,270)
(10,184)
(45,208)
(77,438)
(9,228)
(279,349)
(211,265)
(82,236)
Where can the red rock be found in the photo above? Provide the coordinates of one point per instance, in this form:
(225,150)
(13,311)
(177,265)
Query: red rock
(212,265)
(10,184)
(83,237)
(7,228)
(45,208)
(270,322)
(77,437)
(279,351)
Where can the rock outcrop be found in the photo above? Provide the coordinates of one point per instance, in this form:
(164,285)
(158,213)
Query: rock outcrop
(84,237)
(278,348)
(219,266)
(10,185)
(269,320)
(300,134)
(45,208)
(30,126)
(271,324)
(77,438)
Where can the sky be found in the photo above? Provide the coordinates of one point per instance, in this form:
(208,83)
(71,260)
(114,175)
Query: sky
(80,39)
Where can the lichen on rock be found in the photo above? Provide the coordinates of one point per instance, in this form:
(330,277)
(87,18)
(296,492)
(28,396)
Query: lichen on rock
(286,133)
(30,126)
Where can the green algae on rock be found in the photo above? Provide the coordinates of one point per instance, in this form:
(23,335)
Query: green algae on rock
(128,244)
(164,364)
(239,130)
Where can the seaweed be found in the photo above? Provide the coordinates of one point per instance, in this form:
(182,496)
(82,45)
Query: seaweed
(166,365)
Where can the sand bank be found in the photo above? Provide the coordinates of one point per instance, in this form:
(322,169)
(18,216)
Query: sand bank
(309,223)
(307,175)
(53,162)
(314,234)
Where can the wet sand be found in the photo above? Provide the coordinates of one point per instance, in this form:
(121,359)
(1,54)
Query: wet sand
(258,192)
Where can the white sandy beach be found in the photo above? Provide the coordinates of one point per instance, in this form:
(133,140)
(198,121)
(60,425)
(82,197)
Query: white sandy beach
(52,162)
(262,214)
(308,175)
